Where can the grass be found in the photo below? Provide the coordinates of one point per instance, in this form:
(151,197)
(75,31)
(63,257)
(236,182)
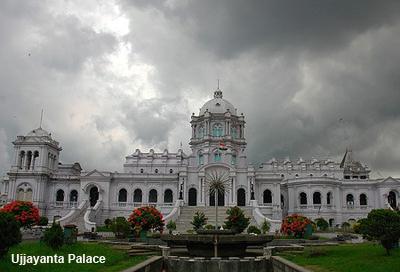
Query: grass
(115,260)
(347,258)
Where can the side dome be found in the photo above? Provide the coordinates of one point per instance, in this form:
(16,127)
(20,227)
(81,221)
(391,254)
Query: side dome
(38,132)
(218,105)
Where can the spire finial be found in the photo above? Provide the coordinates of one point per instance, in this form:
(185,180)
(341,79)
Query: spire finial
(218,92)
(41,119)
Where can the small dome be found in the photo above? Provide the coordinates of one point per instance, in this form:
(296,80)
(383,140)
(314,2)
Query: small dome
(218,105)
(39,132)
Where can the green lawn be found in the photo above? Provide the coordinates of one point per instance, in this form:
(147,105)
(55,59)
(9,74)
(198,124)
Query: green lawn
(347,258)
(115,260)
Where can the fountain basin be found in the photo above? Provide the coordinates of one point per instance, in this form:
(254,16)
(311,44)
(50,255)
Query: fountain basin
(228,245)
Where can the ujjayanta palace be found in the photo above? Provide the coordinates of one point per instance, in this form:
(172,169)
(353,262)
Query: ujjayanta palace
(337,191)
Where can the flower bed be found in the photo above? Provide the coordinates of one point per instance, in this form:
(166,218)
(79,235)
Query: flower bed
(295,225)
(24,212)
(146,218)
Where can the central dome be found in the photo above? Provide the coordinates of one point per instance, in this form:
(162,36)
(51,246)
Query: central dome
(218,105)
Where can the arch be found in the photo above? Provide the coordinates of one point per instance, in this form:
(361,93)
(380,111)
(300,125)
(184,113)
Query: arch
(28,160)
(192,197)
(392,199)
(363,200)
(267,197)
(241,197)
(141,170)
(282,201)
(217,156)
(156,171)
(317,198)
(328,198)
(122,195)
(93,196)
(20,194)
(168,196)
(28,195)
(153,196)
(303,198)
(171,171)
(350,200)
(201,158)
(217,130)
(35,156)
(21,159)
(60,195)
(137,196)
(73,196)
(221,199)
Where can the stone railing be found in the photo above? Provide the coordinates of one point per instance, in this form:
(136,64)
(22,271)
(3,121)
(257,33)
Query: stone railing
(259,217)
(74,213)
(174,214)
(90,213)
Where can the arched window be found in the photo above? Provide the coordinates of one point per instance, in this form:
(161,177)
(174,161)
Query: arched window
(122,195)
(350,200)
(171,171)
(303,198)
(233,161)
(35,156)
(267,197)
(156,171)
(217,156)
(60,195)
(217,130)
(21,159)
(137,196)
(21,194)
(317,198)
(168,196)
(28,194)
(73,196)
(392,199)
(234,132)
(153,196)
(282,201)
(201,159)
(363,199)
(141,170)
(200,132)
(28,160)
(328,198)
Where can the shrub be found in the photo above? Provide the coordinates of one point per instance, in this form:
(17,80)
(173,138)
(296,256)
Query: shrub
(120,227)
(295,225)
(54,236)
(209,227)
(146,218)
(253,229)
(171,226)
(9,232)
(108,222)
(43,221)
(236,220)
(199,220)
(265,227)
(382,225)
(24,212)
(322,224)
(345,225)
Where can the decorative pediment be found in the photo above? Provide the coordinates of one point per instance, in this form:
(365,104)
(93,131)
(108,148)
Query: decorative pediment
(94,173)
(391,180)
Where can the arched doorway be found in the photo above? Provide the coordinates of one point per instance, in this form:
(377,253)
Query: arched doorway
(241,197)
(93,196)
(221,199)
(192,197)
(392,199)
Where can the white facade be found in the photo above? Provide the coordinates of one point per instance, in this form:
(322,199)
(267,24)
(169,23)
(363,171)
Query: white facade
(338,192)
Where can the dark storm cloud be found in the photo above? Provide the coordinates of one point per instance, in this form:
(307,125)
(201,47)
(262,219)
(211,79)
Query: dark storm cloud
(231,27)
(294,68)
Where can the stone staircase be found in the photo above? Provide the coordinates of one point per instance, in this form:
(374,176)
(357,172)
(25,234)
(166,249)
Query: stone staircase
(187,213)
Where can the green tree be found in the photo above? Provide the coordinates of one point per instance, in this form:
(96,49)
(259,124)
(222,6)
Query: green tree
(54,236)
(9,232)
(199,220)
(120,227)
(265,227)
(236,220)
(382,225)
(171,226)
(322,224)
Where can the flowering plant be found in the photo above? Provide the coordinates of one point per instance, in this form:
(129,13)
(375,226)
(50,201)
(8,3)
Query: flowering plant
(236,220)
(24,212)
(295,225)
(146,218)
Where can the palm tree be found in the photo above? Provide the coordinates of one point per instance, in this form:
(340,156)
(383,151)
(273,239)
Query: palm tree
(218,183)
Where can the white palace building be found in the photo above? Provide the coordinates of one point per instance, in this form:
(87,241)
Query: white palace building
(337,191)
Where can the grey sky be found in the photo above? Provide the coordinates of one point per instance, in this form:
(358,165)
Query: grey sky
(113,76)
